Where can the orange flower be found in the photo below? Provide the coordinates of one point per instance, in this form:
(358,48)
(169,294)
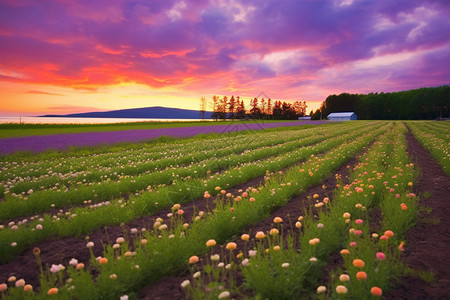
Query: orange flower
(210,243)
(52,291)
(274,231)
(400,247)
(103,260)
(260,235)
(345,251)
(361,275)
(193,259)
(3,287)
(376,291)
(359,263)
(314,241)
(245,237)
(340,289)
(403,206)
(28,288)
(79,266)
(389,233)
(231,246)
(344,277)
(278,220)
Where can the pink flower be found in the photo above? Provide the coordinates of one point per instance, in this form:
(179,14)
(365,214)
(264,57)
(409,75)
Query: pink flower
(352,244)
(359,221)
(380,256)
(358,232)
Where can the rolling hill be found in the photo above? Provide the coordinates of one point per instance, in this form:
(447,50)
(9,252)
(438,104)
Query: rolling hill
(155,112)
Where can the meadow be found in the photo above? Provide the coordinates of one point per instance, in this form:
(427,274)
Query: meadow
(306,212)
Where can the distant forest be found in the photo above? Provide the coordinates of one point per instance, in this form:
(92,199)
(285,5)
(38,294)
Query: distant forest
(419,104)
(234,108)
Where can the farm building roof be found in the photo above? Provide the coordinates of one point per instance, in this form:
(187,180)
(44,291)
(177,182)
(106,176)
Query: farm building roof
(341,114)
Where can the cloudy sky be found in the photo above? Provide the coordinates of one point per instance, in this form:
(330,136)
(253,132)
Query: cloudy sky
(62,56)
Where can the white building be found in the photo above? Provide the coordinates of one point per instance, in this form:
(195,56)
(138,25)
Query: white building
(342,116)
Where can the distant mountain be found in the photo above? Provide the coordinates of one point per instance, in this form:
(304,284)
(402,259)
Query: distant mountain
(155,112)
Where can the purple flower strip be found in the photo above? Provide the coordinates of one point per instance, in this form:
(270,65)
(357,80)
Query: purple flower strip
(63,141)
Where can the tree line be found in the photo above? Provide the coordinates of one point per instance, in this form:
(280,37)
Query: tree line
(234,108)
(418,104)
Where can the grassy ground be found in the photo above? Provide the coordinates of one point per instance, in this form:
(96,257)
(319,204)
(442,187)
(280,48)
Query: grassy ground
(18,130)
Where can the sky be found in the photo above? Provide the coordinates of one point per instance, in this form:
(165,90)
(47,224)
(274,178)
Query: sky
(63,56)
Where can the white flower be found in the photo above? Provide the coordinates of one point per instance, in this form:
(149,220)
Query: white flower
(185,283)
(224,295)
(73,262)
(124,297)
(90,244)
(252,253)
(56,268)
(215,257)
(120,240)
(245,262)
(285,265)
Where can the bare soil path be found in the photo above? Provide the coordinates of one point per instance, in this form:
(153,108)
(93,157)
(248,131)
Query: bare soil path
(427,245)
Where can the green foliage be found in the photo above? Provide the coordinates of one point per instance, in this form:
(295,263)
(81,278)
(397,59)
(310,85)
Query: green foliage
(418,104)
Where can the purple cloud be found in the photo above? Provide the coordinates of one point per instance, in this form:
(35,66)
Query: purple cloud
(236,44)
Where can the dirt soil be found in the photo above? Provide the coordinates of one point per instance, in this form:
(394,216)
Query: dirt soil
(427,243)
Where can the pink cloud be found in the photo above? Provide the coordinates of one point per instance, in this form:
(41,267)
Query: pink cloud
(228,45)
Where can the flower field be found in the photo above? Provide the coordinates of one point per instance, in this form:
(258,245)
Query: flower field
(113,222)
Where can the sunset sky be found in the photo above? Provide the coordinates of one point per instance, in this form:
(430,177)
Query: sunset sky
(63,56)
